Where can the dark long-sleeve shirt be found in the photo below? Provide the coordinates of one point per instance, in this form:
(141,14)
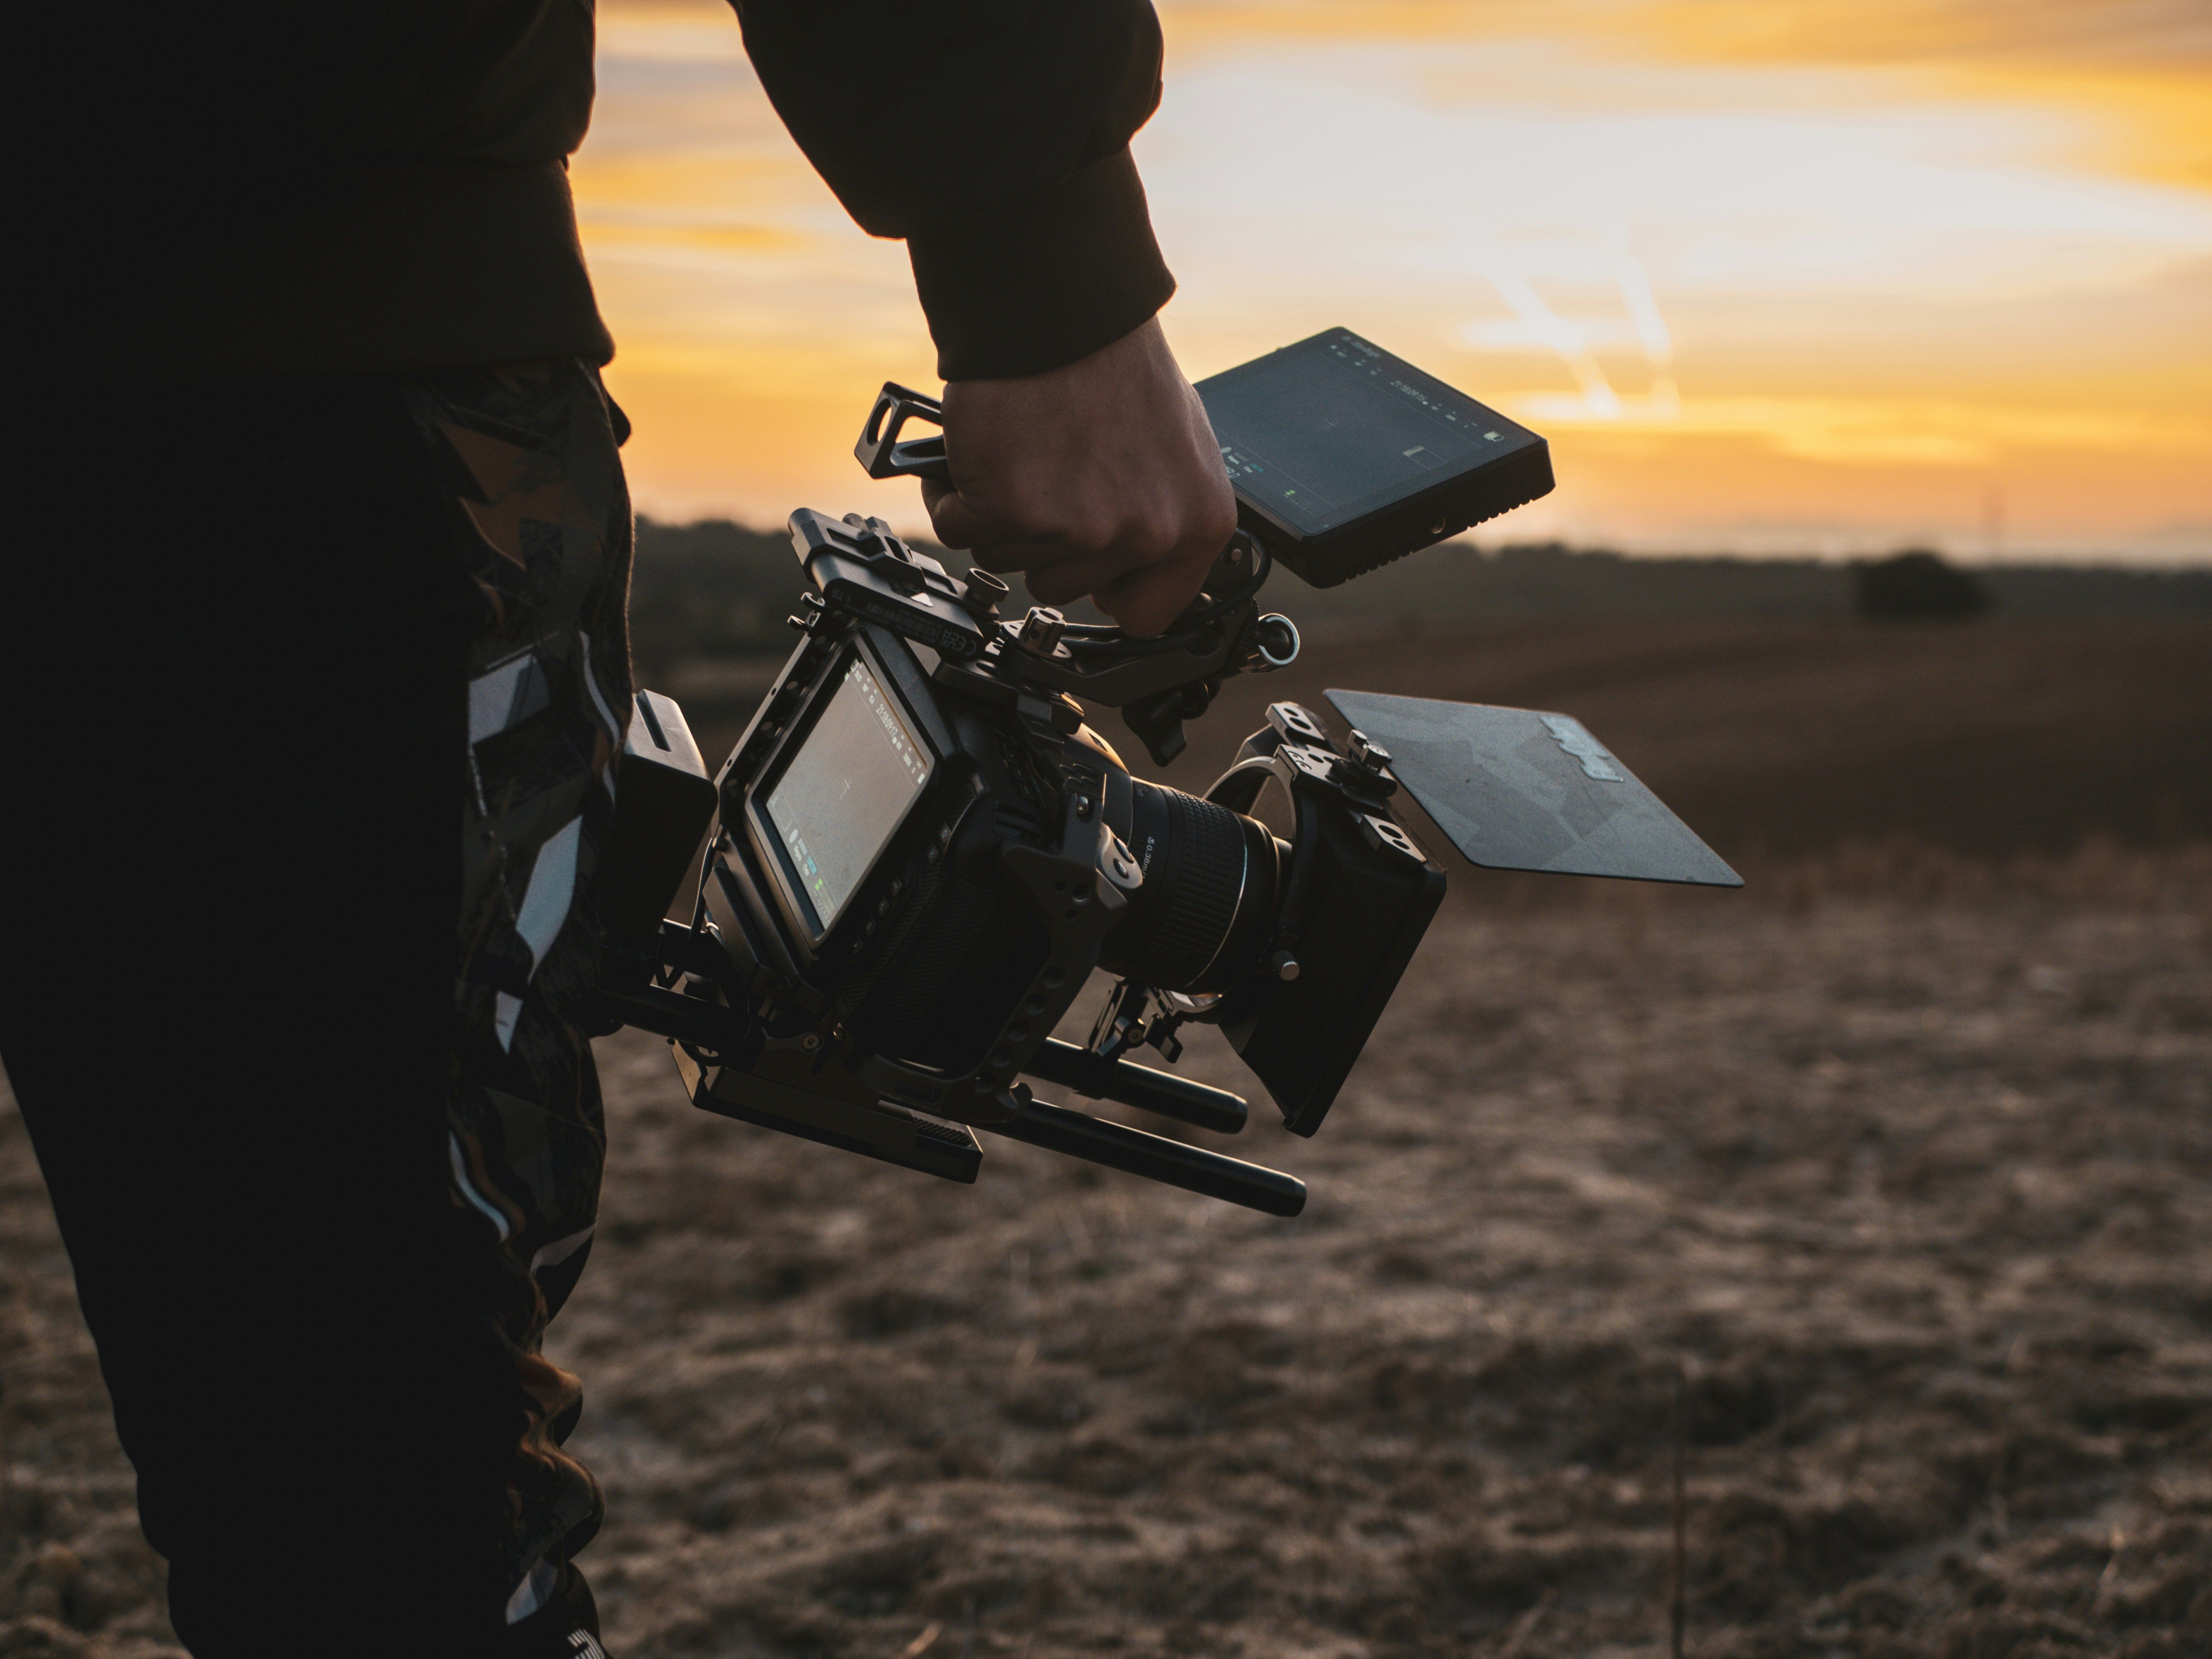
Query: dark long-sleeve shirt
(363,186)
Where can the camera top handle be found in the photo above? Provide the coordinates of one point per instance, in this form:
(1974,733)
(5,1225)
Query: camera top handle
(1158,683)
(881,452)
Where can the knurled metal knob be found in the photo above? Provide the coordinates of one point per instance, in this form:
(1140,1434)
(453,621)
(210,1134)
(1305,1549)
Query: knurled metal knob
(1042,629)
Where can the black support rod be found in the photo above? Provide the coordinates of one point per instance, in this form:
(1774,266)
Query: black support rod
(1164,1092)
(1154,1157)
(671,1014)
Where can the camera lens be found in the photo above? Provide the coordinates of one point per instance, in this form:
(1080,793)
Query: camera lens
(1203,912)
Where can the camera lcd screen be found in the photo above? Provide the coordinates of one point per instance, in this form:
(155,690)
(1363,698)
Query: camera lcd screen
(844,792)
(1328,430)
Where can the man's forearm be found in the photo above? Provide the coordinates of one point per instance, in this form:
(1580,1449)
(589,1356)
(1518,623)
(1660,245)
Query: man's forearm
(991,134)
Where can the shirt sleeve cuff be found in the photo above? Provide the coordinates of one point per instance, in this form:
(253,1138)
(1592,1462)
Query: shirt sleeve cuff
(1045,282)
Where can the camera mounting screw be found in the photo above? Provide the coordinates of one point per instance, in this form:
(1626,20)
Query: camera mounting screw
(1042,629)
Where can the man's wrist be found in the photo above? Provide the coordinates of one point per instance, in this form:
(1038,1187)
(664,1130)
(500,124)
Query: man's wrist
(1046,281)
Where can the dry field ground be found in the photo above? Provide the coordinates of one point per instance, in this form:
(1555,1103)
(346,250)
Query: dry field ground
(1881,1193)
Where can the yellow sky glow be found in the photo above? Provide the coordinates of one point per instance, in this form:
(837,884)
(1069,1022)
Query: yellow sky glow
(1779,277)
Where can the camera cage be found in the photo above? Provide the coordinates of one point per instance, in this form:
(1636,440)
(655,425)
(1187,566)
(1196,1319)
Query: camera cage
(907,1016)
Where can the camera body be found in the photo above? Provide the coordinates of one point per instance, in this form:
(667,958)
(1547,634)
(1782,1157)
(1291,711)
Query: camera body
(922,850)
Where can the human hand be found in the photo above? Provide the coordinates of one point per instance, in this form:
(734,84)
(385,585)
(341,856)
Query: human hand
(1102,477)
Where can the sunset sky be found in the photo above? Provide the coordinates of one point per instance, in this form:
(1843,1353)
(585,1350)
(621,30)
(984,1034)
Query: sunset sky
(1772,276)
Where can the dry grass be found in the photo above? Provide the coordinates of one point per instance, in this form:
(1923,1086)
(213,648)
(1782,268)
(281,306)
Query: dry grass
(1920,1193)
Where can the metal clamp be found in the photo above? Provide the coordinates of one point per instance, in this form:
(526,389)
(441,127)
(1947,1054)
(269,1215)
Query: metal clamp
(880,449)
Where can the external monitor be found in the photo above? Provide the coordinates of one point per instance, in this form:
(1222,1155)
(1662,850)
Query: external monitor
(1345,456)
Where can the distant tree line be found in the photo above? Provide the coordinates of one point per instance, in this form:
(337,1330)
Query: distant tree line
(710,589)
(717,589)
(1918,584)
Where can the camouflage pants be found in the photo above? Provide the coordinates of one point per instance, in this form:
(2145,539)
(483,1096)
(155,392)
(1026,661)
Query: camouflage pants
(542,524)
(316,684)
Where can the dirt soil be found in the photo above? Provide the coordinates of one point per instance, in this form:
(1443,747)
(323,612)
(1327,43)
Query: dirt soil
(1893,1214)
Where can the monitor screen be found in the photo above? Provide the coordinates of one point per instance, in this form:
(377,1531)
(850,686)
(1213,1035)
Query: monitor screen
(1326,431)
(844,792)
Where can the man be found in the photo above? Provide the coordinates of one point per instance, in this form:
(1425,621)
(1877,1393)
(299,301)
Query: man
(328,464)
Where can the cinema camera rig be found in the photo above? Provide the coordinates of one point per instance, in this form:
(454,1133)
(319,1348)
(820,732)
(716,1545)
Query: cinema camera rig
(921,850)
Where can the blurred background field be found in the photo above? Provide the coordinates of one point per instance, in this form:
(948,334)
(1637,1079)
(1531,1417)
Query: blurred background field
(1752,695)
(706,594)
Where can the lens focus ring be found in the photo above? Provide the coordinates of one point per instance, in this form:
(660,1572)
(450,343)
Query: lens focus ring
(1193,855)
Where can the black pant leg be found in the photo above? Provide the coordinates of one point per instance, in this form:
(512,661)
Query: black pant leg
(230,885)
